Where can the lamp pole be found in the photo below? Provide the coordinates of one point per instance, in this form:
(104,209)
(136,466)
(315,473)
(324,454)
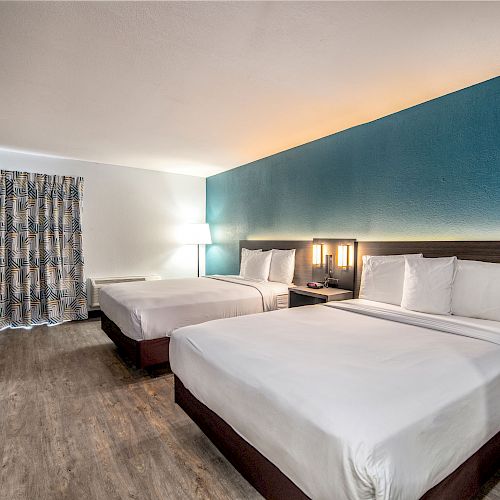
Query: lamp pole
(198,259)
(197,234)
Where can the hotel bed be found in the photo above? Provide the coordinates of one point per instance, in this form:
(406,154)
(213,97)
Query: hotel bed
(349,400)
(153,309)
(139,317)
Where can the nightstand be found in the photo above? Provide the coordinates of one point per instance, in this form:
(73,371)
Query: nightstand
(303,296)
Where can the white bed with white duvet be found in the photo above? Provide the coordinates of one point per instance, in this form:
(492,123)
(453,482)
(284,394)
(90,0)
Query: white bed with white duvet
(358,399)
(139,317)
(153,309)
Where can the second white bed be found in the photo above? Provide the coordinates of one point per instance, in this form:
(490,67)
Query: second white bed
(349,405)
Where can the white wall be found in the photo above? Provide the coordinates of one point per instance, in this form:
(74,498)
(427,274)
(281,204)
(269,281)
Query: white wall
(130,215)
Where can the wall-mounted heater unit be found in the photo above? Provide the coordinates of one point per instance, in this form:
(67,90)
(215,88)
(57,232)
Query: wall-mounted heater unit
(95,284)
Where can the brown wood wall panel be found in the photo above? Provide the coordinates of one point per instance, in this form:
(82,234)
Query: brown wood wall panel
(487,251)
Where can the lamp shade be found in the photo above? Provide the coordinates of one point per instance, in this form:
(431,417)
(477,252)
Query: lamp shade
(196,234)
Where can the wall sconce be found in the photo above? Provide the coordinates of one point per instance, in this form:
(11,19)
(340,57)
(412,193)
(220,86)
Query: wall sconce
(320,253)
(344,256)
(317,255)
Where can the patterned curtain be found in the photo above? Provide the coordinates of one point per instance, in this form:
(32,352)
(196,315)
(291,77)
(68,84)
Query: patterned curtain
(41,260)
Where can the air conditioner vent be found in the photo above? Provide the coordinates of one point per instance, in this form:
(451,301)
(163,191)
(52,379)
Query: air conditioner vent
(95,284)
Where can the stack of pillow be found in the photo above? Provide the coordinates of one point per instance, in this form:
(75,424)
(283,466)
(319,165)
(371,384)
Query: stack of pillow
(436,286)
(272,265)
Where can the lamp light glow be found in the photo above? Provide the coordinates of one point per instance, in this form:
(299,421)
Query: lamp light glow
(196,234)
(350,258)
(320,254)
(317,255)
(343,256)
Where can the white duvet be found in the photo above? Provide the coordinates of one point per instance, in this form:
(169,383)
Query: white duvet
(349,406)
(153,309)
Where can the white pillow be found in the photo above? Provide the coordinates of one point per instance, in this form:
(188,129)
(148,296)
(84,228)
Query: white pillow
(382,277)
(427,285)
(258,265)
(476,290)
(282,266)
(245,253)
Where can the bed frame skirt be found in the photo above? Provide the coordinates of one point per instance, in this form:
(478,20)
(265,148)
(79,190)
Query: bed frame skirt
(141,353)
(463,484)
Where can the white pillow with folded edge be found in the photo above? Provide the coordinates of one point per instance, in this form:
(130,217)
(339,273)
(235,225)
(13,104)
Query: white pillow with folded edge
(476,290)
(282,266)
(245,253)
(428,284)
(258,265)
(382,278)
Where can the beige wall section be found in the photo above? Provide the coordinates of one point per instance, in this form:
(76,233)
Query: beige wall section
(130,216)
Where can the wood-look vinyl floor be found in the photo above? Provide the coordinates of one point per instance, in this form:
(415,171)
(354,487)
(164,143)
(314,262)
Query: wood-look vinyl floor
(77,423)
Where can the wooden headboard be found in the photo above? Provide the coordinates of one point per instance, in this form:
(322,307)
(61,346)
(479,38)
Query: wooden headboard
(303,255)
(488,251)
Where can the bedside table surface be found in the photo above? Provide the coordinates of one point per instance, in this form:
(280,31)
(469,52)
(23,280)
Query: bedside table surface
(327,293)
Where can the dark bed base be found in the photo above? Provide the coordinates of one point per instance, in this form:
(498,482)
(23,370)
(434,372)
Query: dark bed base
(262,474)
(463,484)
(142,354)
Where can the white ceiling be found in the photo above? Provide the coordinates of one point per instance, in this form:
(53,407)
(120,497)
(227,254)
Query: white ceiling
(198,87)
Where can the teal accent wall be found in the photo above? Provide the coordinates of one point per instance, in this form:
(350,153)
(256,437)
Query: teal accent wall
(428,172)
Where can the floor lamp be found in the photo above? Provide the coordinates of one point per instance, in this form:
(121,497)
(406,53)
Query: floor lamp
(198,234)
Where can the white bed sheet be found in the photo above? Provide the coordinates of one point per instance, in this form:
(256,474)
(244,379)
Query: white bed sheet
(153,309)
(461,325)
(348,406)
